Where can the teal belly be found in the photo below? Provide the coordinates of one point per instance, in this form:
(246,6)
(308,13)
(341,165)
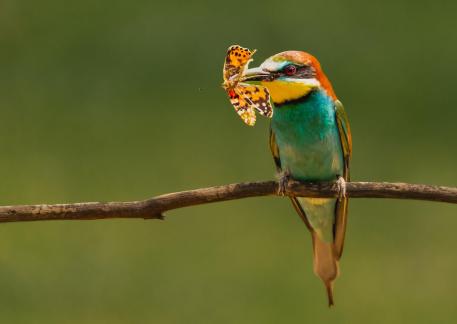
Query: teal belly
(308,139)
(310,149)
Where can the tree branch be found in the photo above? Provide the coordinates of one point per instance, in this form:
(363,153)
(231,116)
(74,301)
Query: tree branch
(154,208)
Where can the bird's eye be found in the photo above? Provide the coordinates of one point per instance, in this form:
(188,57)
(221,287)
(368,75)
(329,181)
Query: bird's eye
(290,69)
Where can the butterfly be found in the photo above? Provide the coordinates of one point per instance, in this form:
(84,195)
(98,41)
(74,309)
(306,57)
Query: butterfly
(245,98)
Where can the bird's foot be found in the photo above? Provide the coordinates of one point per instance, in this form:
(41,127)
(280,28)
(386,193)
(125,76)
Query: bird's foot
(283,181)
(341,183)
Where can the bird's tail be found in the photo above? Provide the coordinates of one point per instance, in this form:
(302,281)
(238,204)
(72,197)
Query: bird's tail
(325,264)
(325,257)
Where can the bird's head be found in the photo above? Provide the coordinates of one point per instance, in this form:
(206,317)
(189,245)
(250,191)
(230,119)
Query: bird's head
(290,76)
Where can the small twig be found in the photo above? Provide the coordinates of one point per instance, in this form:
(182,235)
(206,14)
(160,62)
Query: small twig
(155,207)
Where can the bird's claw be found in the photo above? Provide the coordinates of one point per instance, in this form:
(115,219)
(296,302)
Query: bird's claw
(341,183)
(284,178)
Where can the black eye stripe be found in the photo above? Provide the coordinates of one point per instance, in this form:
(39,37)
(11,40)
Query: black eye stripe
(302,72)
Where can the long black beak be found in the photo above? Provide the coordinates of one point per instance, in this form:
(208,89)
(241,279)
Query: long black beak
(256,74)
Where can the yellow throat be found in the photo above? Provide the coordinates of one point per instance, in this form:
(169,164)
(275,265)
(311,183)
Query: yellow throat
(284,90)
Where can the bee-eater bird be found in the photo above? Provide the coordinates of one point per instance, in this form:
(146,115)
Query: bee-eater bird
(310,140)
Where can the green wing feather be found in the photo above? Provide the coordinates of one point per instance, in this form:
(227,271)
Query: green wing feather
(275,150)
(342,204)
(344,130)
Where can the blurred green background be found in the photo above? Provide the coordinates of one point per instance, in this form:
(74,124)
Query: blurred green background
(115,100)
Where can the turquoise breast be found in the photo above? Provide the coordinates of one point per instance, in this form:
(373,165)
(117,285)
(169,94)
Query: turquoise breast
(308,139)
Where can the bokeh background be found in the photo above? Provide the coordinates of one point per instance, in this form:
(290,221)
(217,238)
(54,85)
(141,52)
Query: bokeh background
(115,100)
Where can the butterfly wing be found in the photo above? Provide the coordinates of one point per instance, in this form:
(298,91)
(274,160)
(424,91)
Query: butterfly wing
(242,106)
(236,61)
(258,97)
